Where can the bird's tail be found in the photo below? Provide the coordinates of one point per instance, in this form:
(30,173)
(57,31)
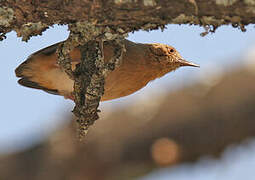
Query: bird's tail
(35,66)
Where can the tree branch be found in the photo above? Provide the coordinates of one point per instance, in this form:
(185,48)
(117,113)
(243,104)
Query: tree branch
(89,75)
(32,17)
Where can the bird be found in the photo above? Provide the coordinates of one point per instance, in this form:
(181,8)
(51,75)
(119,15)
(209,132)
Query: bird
(140,64)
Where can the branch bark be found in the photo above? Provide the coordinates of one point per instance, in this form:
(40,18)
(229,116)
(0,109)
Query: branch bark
(32,17)
(89,75)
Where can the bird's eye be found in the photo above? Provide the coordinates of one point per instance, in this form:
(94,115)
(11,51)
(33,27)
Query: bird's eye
(171,50)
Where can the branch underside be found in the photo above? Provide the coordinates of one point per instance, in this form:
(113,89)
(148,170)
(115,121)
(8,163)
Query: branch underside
(29,18)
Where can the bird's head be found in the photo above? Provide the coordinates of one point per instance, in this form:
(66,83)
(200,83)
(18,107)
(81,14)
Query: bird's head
(168,57)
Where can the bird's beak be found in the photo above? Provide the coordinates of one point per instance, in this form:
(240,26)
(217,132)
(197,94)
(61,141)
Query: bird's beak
(183,62)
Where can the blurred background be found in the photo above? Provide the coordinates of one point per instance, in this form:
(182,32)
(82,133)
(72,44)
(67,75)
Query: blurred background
(190,124)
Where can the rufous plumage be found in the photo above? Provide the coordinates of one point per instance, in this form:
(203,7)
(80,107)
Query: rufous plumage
(141,63)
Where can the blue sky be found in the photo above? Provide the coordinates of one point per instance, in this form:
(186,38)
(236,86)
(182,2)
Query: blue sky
(19,128)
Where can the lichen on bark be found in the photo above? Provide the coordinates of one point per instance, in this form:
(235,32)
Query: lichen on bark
(88,85)
(89,75)
(129,15)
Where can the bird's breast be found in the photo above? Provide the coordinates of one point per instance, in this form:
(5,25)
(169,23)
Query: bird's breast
(126,80)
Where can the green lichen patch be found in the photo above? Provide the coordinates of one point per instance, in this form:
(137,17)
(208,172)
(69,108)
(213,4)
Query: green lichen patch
(31,29)
(123,1)
(183,19)
(206,20)
(149,3)
(249,2)
(6,16)
(225,2)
